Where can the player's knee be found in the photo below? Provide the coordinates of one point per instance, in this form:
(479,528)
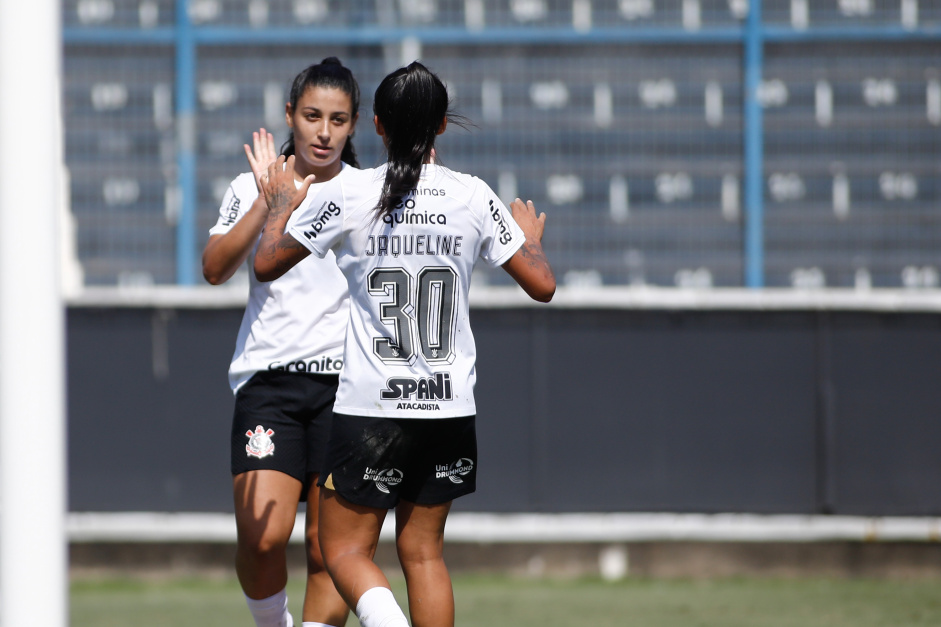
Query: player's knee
(315,559)
(412,552)
(262,544)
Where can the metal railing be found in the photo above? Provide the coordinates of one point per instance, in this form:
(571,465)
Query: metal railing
(391,32)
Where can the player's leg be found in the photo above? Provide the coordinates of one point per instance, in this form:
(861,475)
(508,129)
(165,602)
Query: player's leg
(362,475)
(443,467)
(349,534)
(420,545)
(265,510)
(269,466)
(323,605)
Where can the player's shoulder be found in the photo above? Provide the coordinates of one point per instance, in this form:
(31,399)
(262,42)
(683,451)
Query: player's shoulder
(360,184)
(244,185)
(463,184)
(362,175)
(466,190)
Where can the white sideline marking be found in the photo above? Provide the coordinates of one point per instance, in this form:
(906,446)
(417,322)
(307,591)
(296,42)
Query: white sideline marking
(500,528)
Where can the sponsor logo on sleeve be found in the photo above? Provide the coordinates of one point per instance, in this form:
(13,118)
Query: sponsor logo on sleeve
(328,211)
(230,213)
(503,230)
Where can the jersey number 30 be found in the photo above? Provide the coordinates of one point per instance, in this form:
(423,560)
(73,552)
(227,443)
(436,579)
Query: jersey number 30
(422,307)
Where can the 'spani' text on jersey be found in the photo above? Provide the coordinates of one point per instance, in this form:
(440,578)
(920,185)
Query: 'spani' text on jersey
(436,388)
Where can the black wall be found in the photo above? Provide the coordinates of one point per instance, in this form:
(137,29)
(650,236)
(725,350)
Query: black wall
(578,410)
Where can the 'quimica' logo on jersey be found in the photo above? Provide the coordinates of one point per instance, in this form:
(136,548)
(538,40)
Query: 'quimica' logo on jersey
(260,443)
(324,364)
(454,471)
(383,478)
(436,388)
(330,210)
(415,217)
(506,235)
(405,213)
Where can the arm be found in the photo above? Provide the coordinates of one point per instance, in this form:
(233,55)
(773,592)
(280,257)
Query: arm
(278,251)
(529,266)
(226,252)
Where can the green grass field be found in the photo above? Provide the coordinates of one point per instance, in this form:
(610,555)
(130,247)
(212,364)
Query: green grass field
(495,601)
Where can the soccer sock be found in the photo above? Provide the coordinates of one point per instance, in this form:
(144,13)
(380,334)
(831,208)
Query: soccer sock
(271,612)
(308,623)
(377,608)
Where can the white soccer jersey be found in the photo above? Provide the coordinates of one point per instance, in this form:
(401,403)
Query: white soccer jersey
(296,323)
(409,348)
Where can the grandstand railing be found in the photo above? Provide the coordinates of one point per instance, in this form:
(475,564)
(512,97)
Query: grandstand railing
(170,52)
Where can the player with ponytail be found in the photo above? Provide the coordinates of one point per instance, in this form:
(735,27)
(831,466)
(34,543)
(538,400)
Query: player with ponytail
(406,236)
(409,131)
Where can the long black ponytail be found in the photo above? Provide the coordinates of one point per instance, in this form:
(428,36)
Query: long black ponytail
(328,73)
(411,104)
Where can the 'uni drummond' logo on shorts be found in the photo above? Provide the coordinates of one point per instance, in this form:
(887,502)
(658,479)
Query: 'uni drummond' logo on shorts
(454,471)
(383,478)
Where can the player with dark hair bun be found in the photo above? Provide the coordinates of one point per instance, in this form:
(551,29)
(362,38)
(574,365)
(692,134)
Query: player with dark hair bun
(406,237)
(288,354)
(329,73)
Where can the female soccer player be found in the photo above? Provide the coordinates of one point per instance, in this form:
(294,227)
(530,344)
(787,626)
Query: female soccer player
(406,236)
(288,355)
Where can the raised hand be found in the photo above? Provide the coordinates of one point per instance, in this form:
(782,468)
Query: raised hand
(529,265)
(261,154)
(525,216)
(281,194)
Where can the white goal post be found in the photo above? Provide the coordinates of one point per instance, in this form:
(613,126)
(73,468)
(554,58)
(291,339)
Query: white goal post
(33,545)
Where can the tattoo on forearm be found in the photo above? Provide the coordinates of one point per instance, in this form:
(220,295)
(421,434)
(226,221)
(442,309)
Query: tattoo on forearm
(288,243)
(279,253)
(279,198)
(535,256)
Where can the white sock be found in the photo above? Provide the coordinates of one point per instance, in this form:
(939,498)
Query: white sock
(308,623)
(271,612)
(377,608)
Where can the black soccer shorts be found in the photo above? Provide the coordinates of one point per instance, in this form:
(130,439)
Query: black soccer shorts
(282,422)
(375,462)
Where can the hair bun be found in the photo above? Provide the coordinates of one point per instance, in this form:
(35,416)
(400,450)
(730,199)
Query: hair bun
(331,61)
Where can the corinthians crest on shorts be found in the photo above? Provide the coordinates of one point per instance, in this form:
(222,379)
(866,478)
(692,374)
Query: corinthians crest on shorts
(259,442)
